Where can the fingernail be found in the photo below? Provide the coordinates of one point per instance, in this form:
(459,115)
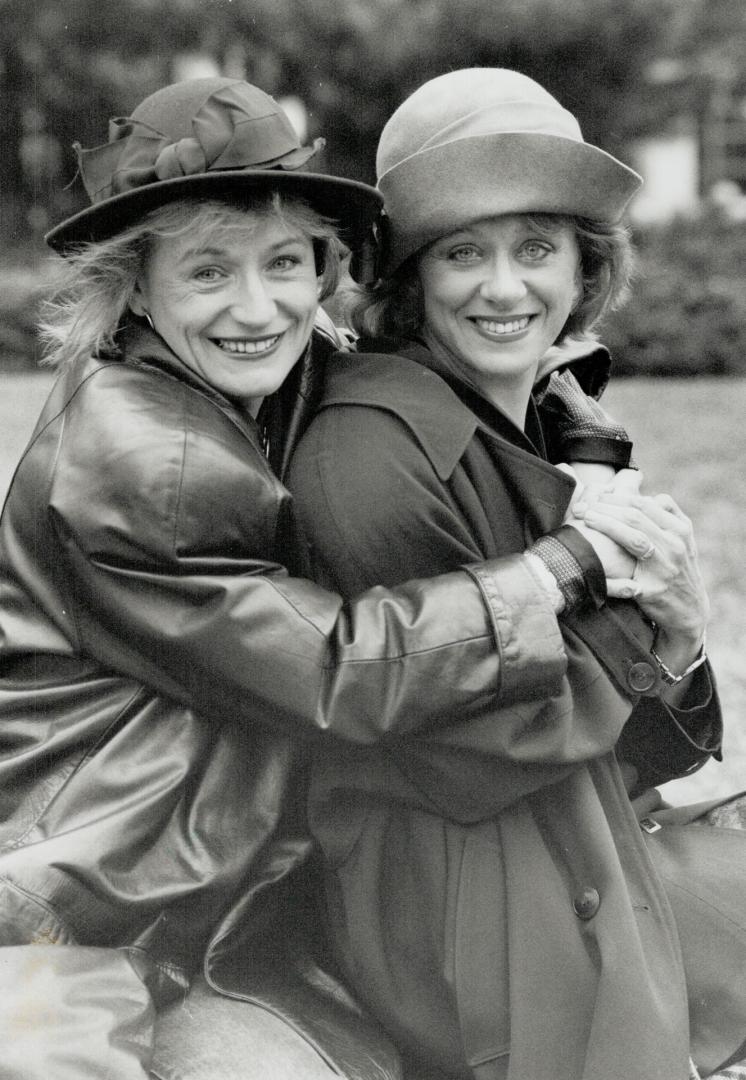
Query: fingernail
(590,517)
(579,509)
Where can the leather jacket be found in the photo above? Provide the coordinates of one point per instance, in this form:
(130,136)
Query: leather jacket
(161,672)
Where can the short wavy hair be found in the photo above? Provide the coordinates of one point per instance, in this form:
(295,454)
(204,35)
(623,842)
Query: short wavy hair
(89,301)
(394,306)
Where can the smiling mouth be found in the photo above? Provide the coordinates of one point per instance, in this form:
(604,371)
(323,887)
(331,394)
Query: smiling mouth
(503,326)
(246,346)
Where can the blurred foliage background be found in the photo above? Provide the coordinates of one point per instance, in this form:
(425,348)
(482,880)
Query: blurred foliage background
(629,69)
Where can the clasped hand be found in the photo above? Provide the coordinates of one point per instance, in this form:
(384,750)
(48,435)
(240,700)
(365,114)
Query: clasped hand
(647,548)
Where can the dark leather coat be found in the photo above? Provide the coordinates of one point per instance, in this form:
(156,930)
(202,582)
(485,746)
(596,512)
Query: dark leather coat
(160,672)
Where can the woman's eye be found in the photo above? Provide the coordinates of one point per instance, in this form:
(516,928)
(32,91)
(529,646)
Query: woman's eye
(208,275)
(285,262)
(534,250)
(464,253)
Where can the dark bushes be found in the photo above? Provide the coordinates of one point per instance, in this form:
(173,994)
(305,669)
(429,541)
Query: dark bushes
(687,312)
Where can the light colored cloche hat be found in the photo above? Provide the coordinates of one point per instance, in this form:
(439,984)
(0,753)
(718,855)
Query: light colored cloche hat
(480,142)
(205,138)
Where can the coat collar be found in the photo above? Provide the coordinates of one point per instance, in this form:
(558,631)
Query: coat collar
(398,383)
(402,378)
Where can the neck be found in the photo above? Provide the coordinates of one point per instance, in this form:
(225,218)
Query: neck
(510,400)
(510,394)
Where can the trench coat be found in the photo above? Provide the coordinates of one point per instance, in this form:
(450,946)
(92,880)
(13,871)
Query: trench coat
(491,894)
(162,676)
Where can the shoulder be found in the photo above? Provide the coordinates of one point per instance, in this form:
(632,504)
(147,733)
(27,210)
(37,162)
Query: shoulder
(141,451)
(130,426)
(137,415)
(386,437)
(388,392)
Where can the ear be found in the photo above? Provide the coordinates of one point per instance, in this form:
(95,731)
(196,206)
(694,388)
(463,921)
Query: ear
(137,304)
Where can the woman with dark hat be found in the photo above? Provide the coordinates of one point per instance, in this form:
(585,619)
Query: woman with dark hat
(510,898)
(159,667)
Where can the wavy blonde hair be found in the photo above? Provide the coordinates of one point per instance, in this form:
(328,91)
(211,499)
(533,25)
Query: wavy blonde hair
(93,286)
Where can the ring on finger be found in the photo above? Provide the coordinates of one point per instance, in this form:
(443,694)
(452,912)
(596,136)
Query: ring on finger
(647,553)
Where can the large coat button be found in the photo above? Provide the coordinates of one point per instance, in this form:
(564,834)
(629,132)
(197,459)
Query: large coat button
(586,903)
(641,677)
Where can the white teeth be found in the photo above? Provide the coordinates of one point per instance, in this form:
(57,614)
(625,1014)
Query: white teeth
(243,345)
(492,326)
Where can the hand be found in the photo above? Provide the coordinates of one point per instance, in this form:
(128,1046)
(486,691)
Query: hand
(595,480)
(667,581)
(592,482)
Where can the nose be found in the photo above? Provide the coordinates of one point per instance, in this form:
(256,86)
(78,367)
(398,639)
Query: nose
(503,282)
(251,303)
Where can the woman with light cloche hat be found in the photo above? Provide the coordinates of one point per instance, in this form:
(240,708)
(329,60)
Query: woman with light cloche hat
(510,898)
(162,670)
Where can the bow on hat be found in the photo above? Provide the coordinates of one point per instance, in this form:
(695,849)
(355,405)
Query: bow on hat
(223,137)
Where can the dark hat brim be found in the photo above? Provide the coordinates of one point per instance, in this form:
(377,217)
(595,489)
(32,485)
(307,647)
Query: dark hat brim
(351,205)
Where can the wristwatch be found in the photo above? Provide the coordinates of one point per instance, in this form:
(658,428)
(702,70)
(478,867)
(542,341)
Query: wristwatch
(668,677)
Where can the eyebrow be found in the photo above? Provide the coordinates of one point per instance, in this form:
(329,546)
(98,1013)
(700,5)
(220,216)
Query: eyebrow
(209,251)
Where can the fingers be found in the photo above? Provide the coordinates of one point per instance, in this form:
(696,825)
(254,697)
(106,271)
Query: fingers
(644,522)
(662,509)
(628,481)
(623,589)
(622,487)
(615,560)
(634,531)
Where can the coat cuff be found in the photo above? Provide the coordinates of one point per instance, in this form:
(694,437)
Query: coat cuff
(697,718)
(601,449)
(533,660)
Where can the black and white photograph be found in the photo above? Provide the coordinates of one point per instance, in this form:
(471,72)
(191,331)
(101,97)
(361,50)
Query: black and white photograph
(373,540)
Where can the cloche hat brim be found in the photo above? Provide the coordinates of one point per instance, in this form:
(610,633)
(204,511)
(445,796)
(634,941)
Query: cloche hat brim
(437,191)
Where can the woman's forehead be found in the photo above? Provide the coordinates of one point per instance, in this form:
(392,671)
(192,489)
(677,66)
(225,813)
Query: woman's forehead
(514,224)
(235,232)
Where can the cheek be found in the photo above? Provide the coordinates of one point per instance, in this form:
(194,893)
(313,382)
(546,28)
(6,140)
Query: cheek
(305,304)
(437,299)
(190,315)
(447,292)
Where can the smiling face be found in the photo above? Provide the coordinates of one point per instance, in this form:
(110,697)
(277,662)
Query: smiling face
(236,305)
(496,294)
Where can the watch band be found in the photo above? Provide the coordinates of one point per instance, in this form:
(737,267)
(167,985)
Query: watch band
(668,676)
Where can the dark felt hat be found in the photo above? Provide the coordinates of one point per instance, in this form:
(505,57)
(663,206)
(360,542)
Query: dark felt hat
(205,138)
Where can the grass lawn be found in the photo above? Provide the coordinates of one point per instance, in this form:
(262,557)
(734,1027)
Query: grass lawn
(690,439)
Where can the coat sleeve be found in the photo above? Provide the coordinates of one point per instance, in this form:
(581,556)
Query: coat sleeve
(374,509)
(168,548)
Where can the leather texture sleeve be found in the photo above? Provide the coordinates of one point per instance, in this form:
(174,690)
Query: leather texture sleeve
(167,559)
(374,508)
